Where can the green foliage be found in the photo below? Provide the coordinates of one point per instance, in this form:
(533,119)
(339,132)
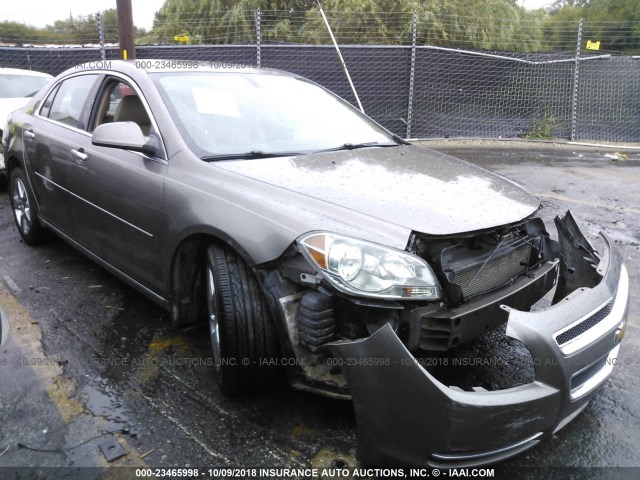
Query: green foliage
(616,23)
(501,25)
(14,32)
(561,29)
(360,21)
(73,30)
(483,24)
(542,126)
(222,21)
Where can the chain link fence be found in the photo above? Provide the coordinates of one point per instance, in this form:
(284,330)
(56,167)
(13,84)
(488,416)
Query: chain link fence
(418,74)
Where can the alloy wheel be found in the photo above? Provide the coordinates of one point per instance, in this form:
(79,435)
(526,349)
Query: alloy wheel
(21,206)
(214,325)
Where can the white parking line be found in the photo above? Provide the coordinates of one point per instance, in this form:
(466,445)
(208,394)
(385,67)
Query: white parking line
(11,284)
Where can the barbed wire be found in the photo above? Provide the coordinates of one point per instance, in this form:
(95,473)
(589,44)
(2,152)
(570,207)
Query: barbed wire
(530,34)
(473,76)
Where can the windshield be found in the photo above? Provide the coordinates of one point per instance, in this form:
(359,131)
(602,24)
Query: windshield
(20,86)
(236,113)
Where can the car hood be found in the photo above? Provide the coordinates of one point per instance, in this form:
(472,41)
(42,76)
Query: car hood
(8,105)
(409,186)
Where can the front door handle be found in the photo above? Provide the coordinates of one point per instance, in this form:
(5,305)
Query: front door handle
(79,154)
(29,134)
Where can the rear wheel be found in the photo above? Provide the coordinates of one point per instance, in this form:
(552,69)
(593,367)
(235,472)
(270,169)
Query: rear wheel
(243,337)
(24,209)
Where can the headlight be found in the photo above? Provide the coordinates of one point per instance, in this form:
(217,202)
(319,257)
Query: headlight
(366,269)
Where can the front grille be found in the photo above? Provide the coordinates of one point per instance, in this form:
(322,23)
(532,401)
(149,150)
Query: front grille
(585,325)
(494,270)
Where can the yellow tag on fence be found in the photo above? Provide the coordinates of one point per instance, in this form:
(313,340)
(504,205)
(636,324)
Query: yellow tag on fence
(593,45)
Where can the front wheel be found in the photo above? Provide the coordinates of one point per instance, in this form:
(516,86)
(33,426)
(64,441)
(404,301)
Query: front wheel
(244,342)
(24,209)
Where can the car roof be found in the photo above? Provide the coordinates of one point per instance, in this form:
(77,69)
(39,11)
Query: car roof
(155,65)
(19,71)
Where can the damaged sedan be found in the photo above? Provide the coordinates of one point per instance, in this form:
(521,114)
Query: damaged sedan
(299,229)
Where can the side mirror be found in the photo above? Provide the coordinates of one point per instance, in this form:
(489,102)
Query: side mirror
(125,135)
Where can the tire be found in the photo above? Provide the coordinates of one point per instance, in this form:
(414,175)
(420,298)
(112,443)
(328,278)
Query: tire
(24,209)
(243,336)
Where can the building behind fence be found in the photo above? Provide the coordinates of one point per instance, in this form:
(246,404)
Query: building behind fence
(419,90)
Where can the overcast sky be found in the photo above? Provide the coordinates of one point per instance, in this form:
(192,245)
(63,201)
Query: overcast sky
(44,12)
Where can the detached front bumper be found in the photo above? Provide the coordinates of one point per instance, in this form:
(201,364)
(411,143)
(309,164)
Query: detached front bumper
(405,416)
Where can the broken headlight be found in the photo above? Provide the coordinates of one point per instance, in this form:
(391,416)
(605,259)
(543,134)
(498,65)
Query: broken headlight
(367,269)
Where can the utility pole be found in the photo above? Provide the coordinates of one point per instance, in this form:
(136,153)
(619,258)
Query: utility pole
(125,30)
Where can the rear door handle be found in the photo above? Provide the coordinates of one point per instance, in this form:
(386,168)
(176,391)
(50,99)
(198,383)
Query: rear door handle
(79,154)
(29,134)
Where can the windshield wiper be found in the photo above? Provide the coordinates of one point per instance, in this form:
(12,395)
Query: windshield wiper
(355,146)
(252,155)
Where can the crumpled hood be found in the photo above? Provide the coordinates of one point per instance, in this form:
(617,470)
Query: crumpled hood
(409,186)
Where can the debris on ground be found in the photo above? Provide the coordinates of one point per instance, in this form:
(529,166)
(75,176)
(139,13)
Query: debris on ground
(617,156)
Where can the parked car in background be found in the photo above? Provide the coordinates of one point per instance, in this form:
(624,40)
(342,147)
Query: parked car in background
(16,88)
(298,228)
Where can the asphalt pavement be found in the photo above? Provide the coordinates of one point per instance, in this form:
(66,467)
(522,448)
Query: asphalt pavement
(92,370)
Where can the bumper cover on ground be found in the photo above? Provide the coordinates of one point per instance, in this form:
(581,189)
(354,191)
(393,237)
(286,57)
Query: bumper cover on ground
(405,416)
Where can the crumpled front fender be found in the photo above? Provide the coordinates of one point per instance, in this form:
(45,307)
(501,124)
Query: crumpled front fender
(405,416)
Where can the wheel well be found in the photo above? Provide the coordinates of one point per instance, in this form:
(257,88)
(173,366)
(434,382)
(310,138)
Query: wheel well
(11,163)
(4,179)
(187,280)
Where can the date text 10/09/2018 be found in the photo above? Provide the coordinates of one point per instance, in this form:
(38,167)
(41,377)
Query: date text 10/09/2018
(309,473)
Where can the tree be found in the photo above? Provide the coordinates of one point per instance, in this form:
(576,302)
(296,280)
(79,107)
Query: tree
(78,30)
(482,24)
(561,28)
(360,22)
(485,24)
(14,32)
(219,21)
(615,23)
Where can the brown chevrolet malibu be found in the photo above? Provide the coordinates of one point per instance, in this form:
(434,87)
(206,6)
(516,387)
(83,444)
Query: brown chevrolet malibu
(298,228)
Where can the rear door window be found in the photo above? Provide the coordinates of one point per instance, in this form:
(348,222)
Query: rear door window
(69,100)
